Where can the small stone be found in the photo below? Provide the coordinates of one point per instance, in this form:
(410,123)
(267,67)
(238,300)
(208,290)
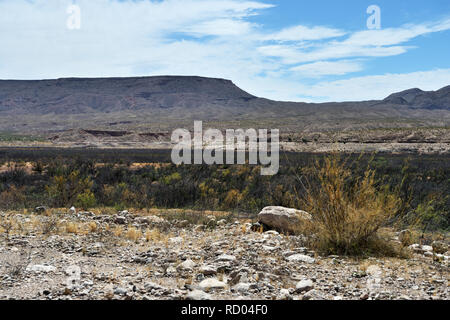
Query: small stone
(120,220)
(120,291)
(208,270)
(226,257)
(285,295)
(187,265)
(176,240)
(41,268)
(300,258)
(304,285)
(86,214)
(171,270)
(364,296)
(183,224)
(149,286)
(221,222)
(40,209)
(198,295)
(212,283)
(242,287)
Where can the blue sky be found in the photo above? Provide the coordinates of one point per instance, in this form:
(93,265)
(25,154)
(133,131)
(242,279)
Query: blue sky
(295,50)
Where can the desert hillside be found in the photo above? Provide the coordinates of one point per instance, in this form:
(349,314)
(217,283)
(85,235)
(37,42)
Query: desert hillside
(142,112)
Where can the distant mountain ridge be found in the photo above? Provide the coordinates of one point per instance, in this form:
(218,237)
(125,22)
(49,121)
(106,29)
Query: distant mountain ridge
(163,102)
(417,98)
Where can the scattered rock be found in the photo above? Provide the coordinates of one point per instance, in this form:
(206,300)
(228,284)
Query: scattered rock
(208,270)
(212,283)
(40,209)
(304,285)
(226,257)
(221,222)
(283,219)
(120,220)
(301,258)
(285,295)
(242,287)
(187,265)
(41,268)
(198,295)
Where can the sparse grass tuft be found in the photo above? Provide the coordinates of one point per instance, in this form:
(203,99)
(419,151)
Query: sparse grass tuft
(92,226)
(134,234)
(72,227)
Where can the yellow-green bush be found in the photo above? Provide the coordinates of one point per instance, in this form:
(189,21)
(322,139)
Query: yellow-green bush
(347,211)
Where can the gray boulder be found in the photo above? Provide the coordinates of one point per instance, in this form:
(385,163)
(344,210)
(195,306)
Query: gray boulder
(283,219)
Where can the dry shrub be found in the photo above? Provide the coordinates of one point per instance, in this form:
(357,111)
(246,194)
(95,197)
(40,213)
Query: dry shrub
(133,234)
(49,225)
(347,211)
(72,227)
(92,226)
(6,225)
(154,235)
(118,230)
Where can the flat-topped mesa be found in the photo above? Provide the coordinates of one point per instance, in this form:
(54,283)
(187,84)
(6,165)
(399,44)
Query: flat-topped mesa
(82,95)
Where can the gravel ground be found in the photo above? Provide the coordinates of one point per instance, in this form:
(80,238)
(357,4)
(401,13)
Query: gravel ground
(126,256)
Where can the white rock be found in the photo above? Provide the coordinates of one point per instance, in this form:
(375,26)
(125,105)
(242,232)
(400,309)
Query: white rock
(72,210)
(123,213)
(221,222)
(171,270)
(149,286)
(208,270)
(226,257)
(374,270)
(242,287)
(155,219)
(212,283)
(198,295)
(285,294)
(301,258)
(269,248)
(176,240)
(41,268)
(283,219)
(304,285)
(187,265)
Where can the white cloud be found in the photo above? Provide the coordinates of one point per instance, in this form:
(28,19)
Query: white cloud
(323,68)
(377,86)
(214,38)
(220,27)
(394,36)
(301,33)
(368,43)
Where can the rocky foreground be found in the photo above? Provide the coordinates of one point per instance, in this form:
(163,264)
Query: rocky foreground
(82,255)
